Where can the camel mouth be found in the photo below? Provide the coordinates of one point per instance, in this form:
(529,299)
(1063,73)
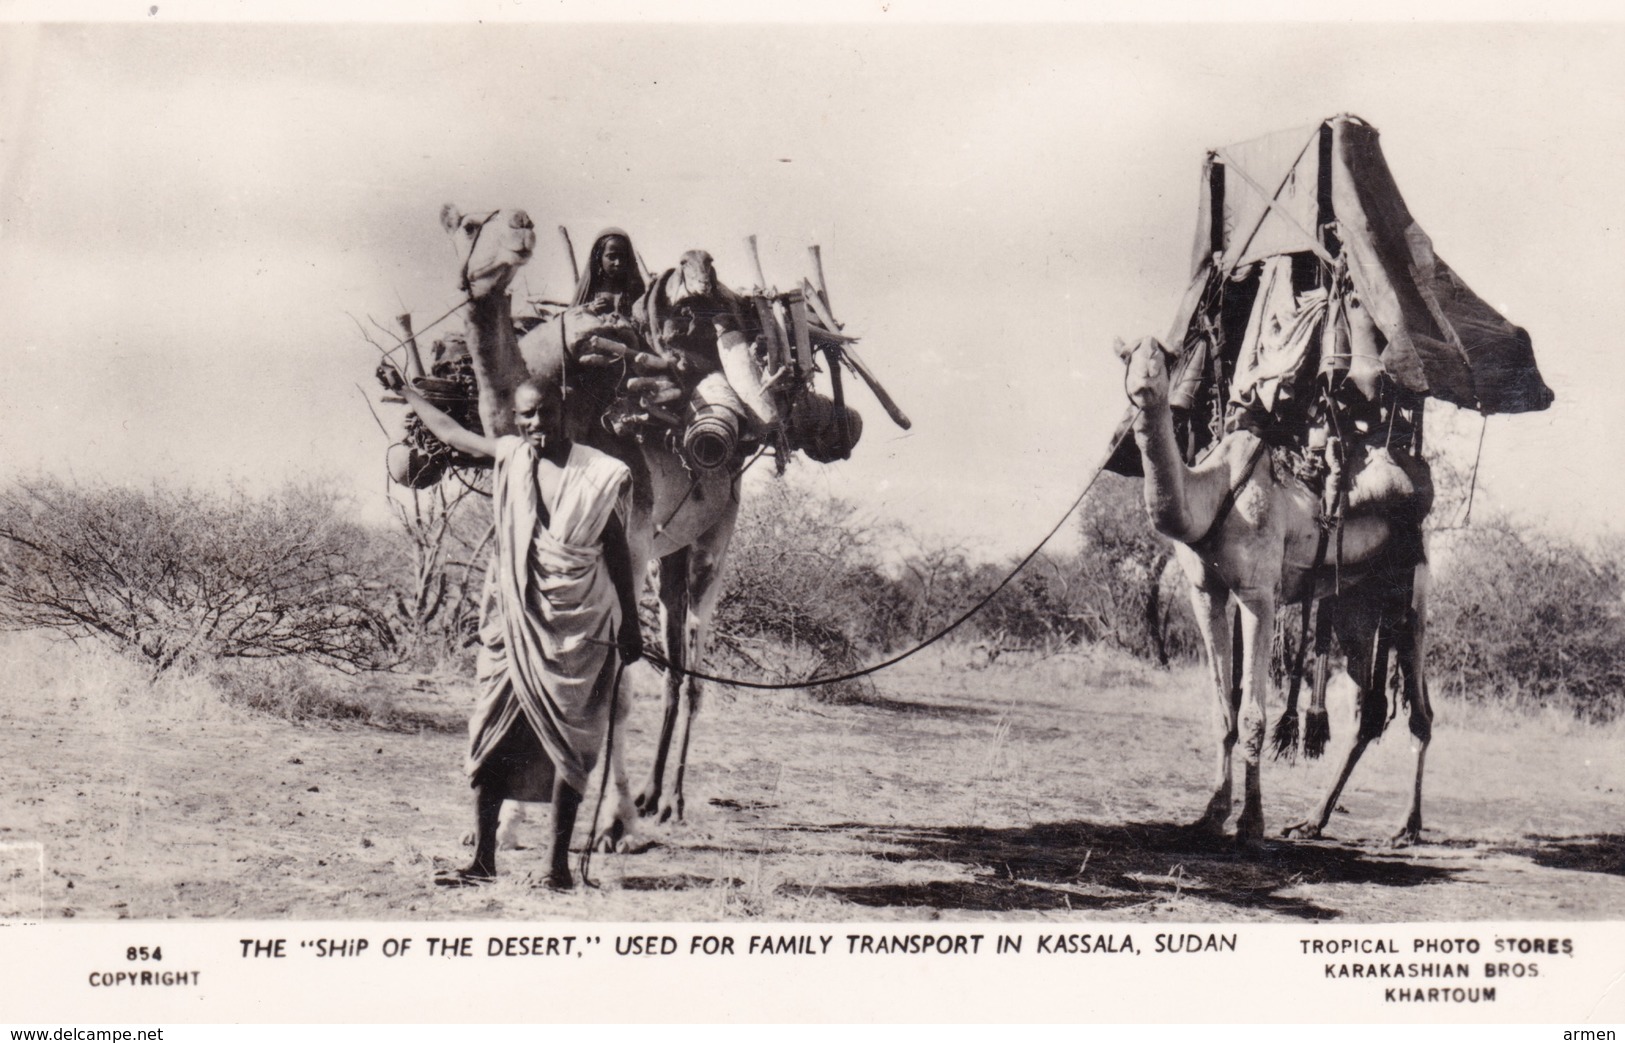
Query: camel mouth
(502,267)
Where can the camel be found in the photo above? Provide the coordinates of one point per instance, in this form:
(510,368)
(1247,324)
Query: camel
(683,520)
(1242,532)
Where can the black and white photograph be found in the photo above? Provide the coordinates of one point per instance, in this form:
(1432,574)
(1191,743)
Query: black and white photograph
(930,470)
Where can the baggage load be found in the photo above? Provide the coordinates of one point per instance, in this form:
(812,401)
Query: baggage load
(1313,290)
(717,374)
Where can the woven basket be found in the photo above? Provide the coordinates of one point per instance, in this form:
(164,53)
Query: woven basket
(816,428)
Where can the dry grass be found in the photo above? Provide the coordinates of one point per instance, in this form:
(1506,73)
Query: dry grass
(1037,787)
(103,684)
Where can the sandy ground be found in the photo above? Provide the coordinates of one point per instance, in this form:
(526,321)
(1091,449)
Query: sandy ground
(1028,790)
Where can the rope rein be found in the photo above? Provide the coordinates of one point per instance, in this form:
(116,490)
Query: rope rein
(852,675)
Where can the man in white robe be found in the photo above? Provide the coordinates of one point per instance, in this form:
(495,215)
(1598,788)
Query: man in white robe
(560,604)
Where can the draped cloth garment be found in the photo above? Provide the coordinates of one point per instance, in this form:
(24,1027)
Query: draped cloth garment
(551,613)
(1284,326)
(592,279)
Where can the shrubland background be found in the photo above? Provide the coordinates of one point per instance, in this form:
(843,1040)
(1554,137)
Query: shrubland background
(269,594)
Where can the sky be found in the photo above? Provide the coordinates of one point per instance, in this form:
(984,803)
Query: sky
(195,217)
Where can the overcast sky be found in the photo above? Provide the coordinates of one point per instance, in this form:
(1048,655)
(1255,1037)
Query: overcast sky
(191,214)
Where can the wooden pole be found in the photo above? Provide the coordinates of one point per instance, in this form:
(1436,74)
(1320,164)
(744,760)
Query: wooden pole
(818,270)
(756,263)
(898,417)
(821,309)
(569,248)
(833,353)
(803,340)
(414,361)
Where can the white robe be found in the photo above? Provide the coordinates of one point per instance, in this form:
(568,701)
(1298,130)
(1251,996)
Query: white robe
(551,613)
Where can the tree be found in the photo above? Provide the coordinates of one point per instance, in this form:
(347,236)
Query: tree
(938,581)
(1530,617)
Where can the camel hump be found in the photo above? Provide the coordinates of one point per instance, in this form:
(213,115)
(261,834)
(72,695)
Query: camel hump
(1381,480)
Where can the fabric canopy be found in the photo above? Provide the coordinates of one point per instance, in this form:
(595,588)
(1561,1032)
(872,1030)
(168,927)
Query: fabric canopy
(1274,196)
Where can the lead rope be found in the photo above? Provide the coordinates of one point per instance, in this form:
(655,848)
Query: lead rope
(1472,486)
(815,682)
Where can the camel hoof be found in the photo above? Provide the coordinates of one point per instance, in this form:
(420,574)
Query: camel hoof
(1302,831)
(609,841)
(468,876)
(1406,837)
(672,810)
(631,844)
(557,881)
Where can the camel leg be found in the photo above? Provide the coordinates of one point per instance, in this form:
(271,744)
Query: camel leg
(511,822)
(1356,623)
(1408,648)
(705,561)
(1257,629)
(673,614)
(1211,603)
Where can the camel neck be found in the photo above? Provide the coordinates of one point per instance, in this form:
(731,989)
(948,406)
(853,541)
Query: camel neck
(494,351)
(1166,476)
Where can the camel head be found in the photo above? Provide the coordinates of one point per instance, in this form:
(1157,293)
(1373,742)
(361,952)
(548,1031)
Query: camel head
(492,245)
(1147,378)
(699,274)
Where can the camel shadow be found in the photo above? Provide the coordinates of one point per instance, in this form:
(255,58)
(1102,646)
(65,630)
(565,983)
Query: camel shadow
(1087,866)
(875,700)
(1594,853)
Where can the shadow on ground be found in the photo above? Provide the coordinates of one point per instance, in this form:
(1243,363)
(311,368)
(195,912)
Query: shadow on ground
(679,882)
(875,700)
(1595,853)
(1082,866)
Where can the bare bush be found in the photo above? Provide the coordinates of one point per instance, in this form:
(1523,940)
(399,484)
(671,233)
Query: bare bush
(446,539)
(179,576)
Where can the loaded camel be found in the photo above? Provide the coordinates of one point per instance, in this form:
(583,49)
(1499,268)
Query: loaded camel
(682,520)
(1241,531)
